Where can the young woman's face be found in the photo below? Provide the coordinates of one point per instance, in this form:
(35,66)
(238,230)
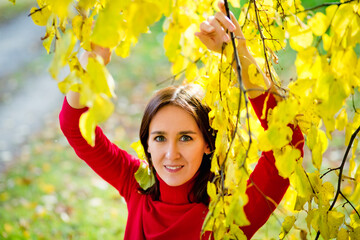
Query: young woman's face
(176,145)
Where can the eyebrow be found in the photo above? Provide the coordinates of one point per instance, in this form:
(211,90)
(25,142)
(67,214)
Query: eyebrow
(180,133)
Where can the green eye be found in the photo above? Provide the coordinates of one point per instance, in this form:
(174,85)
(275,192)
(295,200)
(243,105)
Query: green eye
(159,138)
(185,138)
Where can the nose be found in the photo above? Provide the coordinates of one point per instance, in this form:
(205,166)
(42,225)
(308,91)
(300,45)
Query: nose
(172,151)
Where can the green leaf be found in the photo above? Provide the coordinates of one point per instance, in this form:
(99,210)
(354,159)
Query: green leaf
(144,176)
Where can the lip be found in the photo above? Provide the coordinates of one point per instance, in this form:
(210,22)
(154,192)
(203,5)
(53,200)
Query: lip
(173,168)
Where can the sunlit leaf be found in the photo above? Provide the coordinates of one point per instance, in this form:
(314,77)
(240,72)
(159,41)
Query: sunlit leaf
(40,16)
(286,226)
(144,176)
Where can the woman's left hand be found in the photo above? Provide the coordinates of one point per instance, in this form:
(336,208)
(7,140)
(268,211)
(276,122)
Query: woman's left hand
(213,31)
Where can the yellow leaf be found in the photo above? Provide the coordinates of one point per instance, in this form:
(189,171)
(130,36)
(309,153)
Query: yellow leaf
(87,127)
(109,27)
(77,23)
(319,148)
(285,160)
(342,234)
(255,76)
(335,220)
(4,196)
(235,3)
(60,8)
(191,72)
(341,120)
(339,23)
(101,109)
(274,137)
(47,188)
(64,48)
(301,40)
(319,23)
(327,40)
(49,36)
(211,190)
(286,226)
(8,227)
(101,80)
(86,4)
(300,181)
(284,112)
(237,203)
(140,18)
(123,49)
(330,11)
(139,149)
(40,16)
(171,44)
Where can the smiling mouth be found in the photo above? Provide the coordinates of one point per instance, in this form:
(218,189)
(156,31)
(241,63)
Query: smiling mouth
(173,168)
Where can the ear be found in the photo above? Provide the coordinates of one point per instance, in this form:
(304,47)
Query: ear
(207,149)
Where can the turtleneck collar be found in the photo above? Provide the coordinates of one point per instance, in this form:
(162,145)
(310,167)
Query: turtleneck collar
(176,195)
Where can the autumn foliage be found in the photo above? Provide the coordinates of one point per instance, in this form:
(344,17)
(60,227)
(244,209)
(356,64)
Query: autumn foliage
(321,100)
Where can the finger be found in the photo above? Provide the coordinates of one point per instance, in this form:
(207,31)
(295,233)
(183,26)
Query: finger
(225,21)
(206,27)
(206,40)
(222,8)
(220,30)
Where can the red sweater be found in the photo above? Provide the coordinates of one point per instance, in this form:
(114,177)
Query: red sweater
(173,217)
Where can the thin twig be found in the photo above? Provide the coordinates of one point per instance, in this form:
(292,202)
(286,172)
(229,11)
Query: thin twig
(348,202)
(263,41)
(329,170)
(324,5)
(177,74)
(37,10)
(341,168)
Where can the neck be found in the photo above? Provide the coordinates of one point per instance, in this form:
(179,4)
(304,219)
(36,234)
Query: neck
(176,195)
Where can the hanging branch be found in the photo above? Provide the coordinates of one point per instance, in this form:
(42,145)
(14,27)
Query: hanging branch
(242,89)
(262,40)
(341,169)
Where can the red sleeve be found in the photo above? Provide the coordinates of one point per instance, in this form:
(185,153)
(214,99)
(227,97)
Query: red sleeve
(114,165)
(265,179)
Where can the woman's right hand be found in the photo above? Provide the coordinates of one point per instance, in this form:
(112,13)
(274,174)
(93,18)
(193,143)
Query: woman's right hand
(73,98)
(214,31)
(103,52)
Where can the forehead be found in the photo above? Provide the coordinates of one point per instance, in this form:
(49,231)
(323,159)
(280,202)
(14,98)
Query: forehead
(171,117)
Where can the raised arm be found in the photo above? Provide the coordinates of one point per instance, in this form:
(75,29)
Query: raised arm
(266,187)
(114,165)
(213,34)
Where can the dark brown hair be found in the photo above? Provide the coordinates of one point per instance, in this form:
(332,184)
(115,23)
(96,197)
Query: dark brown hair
(188,97)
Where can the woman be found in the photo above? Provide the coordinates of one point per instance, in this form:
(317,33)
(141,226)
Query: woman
(178,142)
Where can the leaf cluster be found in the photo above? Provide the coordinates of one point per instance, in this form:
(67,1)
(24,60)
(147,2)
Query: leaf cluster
(321,100)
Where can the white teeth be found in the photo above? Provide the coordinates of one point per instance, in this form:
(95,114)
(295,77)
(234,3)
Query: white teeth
(173,168)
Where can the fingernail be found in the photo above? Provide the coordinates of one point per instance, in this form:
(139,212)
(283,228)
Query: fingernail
(232,28)
(226,38)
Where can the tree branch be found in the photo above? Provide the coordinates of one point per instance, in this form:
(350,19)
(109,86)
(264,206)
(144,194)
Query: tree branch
(347,201)
(325,5)
(262,40)
(341,169)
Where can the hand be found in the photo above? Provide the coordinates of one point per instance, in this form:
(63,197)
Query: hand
(104,53)
(213,31)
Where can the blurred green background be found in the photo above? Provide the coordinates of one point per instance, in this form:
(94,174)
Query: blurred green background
(46,192)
